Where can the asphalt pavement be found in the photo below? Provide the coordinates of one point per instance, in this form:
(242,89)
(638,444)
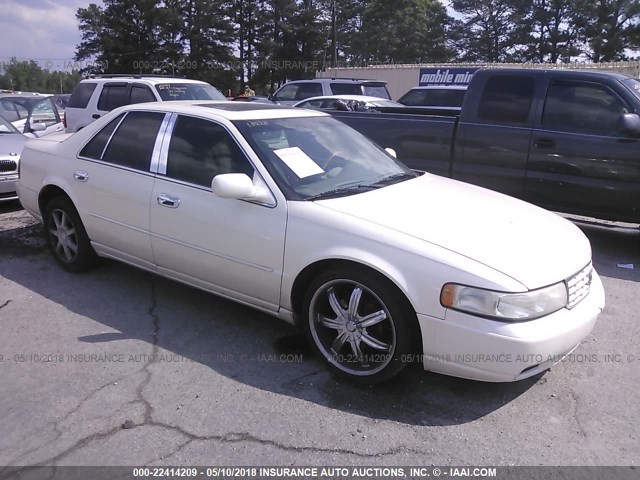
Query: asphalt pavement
(120,367)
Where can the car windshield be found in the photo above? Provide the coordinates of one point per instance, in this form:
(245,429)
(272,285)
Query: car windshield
(434,98)
(320,157)
(188,91)
(379,91)
(633,85)
(6,127)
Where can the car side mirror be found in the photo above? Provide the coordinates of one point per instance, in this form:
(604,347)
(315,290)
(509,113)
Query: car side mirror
(239,186)
(630,123)
(37,127)
(391,152)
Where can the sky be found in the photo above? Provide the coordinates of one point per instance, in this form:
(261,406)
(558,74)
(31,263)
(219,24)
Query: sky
(45,31)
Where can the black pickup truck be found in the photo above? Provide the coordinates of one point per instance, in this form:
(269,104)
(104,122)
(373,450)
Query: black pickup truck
(566,140)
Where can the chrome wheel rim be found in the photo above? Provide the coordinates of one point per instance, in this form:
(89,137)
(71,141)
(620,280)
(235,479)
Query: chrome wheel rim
(352,327)
(64,238)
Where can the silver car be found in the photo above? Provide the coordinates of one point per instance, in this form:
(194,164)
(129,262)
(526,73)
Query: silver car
(34,115)
(11,144)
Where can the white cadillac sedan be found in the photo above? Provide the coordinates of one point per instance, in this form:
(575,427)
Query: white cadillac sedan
(298,215)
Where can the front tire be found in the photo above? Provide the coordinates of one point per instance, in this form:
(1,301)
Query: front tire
(360,323)
(66,236)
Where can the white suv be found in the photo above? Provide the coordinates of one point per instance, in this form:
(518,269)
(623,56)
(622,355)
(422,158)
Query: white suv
(298,90)
(98,95)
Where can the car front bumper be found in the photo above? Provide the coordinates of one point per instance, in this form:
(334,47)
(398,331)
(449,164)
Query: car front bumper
(8,183)
(470,347)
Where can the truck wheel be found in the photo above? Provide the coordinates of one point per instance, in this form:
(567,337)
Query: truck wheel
(66,236)
(360,324)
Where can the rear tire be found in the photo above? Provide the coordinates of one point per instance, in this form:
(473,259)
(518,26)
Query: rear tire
(67,237)
(360,324)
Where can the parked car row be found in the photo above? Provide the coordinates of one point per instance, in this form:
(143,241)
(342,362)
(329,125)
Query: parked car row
(300,214)
(25,115)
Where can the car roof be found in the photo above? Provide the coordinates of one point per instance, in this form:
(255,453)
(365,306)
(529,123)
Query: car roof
(225,109)
(441,87)
(24,95)
(362,98)
(24,98)
(141,78)
(573,71)
(337,79)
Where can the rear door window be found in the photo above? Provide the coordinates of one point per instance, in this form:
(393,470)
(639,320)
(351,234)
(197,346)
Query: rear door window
(95,148)
(113,95)
(44,111)
(288,92)
(308,90)
(507,99)
(133,142)
(12,111)
(81,95)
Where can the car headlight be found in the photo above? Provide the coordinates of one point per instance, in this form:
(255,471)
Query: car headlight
(508,307)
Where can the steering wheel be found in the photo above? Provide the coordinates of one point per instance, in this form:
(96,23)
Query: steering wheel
(333,158)
(330,170)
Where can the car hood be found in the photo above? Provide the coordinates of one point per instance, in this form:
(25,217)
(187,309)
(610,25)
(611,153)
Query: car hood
(531,245)
(11,143)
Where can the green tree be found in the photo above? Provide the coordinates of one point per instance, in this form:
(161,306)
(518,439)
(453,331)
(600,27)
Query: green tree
(548,32)
(290,41)
(179,37)
(123,36)
(30,77)
(208,33)
(489,31)
(608,28)
(246,17)
(404,31)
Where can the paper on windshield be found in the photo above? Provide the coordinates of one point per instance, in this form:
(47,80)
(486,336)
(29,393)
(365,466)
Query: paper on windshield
(298,161)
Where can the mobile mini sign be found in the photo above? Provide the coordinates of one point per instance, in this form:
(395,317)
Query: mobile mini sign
(446,76)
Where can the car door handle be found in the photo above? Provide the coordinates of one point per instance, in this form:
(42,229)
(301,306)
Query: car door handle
(168,200)
(544,143)
(81,176)
(95,115)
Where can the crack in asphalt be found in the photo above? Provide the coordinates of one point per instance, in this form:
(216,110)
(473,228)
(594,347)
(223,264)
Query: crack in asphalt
(139,398)
(57,424)
(312,374)
(576,416)
(5,304)
(148,409)
(240,437)
(230,437)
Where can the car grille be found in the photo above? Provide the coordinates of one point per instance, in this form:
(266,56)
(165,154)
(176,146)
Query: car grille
(8,166)
(579,286)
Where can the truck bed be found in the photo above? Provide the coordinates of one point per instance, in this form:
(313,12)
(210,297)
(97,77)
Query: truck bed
(422,142)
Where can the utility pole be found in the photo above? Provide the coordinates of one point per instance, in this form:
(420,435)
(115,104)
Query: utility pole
(334,42)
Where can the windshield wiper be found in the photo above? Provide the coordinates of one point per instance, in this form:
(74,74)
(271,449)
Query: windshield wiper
(394,178)
(342,191)
(364,187)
